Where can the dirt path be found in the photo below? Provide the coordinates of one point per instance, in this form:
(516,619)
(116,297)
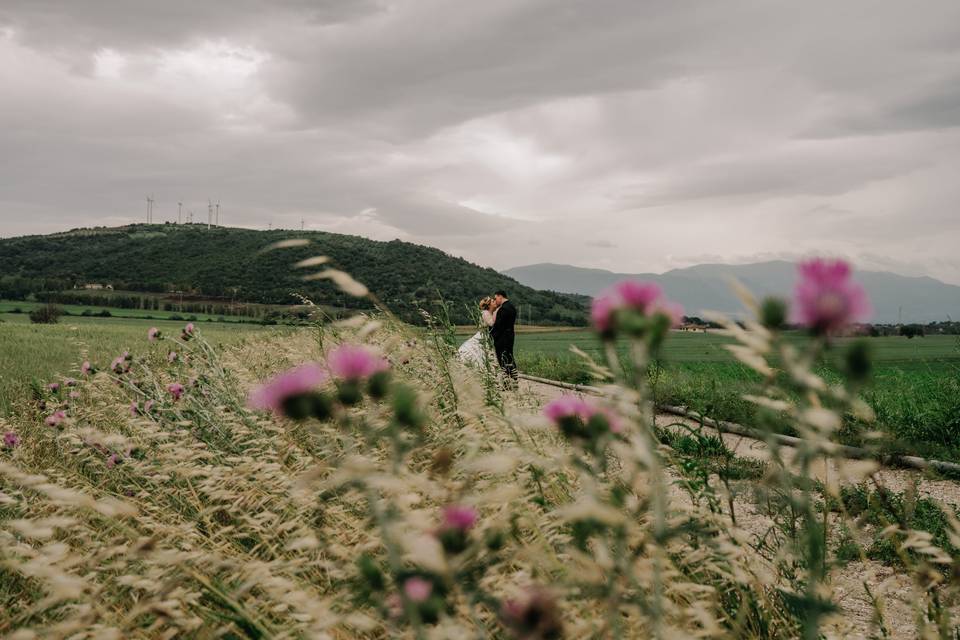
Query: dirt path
(940,490)
(893,588)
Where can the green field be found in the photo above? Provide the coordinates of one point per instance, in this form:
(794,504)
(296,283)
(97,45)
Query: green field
(915,387)
(30,352)
(8,307)
(708,347)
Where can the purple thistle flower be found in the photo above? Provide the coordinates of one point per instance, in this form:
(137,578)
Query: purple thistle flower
(571,414)
(134,409)
(54,387)
(121,364)
(74,395)
(172,357)
(455,524)
(176,390)
(69,382)
(645,298)
(353,362)
(274,394)
(113,460)
(638,295)
(10,439)
(417,589)
(567,406)
(460,517)
(602,311)
(55,419)
(826,299)
(86,368)
(153,334)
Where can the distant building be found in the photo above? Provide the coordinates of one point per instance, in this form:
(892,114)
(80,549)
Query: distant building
(96,286)
(687,326)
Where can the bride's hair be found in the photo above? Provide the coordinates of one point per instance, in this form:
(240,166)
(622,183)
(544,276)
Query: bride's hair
(486,302)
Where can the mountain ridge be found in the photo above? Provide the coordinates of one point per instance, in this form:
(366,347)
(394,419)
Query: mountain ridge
(703,287)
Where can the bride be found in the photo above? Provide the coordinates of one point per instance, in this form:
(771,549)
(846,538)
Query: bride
(475,351)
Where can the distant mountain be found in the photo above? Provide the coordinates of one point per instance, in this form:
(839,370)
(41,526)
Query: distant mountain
(705,286)
(228,262)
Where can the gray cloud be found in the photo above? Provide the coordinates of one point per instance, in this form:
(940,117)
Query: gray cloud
(612,134)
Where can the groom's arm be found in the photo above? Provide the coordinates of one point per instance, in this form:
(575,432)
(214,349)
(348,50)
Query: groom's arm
(498,321)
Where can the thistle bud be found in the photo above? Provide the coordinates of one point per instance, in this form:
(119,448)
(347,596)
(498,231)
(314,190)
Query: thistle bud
(405,408)
(495,539)
(535,615)
(349,392)
(298,407)
(322,406)
(379,385)
(370,572)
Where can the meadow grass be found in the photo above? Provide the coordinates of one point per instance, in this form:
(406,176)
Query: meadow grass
(143,514)
(32,353)
(914,390)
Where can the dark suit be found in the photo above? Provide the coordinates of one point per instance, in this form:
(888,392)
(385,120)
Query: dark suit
(503,336)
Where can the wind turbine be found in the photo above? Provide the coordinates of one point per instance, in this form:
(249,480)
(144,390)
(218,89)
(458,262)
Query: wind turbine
(150,209)
(218,214)
(209,213)
(179,212)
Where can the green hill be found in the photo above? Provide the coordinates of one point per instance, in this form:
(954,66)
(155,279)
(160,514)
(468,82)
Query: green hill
(228,263)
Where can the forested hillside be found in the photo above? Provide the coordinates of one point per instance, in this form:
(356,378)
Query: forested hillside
(228,263)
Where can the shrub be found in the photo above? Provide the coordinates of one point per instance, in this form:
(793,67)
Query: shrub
(912,331)
(48,314)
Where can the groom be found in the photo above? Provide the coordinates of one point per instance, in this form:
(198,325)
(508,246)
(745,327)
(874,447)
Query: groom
(502,334)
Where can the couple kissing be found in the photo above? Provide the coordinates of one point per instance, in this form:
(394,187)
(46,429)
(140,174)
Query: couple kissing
(498,317)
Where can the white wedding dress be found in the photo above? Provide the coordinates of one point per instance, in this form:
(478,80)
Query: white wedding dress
(474,350)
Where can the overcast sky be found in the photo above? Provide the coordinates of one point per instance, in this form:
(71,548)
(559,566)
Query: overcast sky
(633,136)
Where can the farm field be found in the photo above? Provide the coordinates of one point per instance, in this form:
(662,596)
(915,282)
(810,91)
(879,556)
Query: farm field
(39,352)
(708,347)
(915,387)
(8,309)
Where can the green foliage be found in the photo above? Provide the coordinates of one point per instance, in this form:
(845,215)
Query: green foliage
(48,314)
(883,507)
(228,264)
